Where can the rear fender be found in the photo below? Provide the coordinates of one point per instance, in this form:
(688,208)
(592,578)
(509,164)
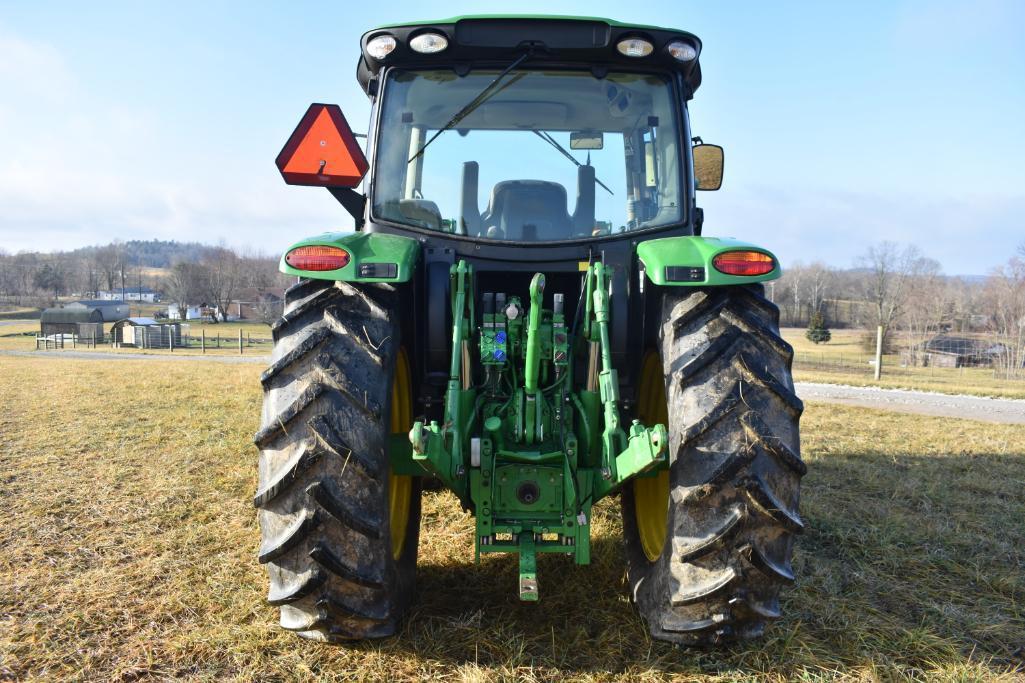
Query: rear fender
(373,257)
(686,261)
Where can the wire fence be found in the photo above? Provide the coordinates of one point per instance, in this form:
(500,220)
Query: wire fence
(938,356)
(160,338)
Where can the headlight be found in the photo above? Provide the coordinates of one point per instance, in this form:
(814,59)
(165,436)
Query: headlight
(429,43)
(635,47)
(381,46)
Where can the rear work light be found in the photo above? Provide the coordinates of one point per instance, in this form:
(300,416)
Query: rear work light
(429,43)
(317,257)
(744,263)
(682,51)
(381,46)
(635,47)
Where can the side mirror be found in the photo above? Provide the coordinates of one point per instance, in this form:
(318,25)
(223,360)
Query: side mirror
(586,140)
(322,151)
(708,160)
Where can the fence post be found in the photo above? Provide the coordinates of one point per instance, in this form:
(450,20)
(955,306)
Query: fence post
(202,341)
(218,339)
(240,341)
(170,339)
(879,352)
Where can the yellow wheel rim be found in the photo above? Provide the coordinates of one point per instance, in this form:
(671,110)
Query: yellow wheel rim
(651,494)
(400,487)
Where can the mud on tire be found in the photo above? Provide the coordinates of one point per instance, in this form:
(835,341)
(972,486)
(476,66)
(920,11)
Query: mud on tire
(324,477)
(734,480)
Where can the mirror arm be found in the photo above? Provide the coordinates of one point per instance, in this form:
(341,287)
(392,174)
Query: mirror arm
(353,201)
(699,219)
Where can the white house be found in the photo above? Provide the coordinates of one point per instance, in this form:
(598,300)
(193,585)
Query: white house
(191,312)
(143,294)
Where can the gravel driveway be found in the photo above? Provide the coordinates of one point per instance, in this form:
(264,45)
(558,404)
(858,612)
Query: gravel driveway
(1007,410)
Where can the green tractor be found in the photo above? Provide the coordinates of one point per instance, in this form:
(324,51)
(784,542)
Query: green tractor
(530,351)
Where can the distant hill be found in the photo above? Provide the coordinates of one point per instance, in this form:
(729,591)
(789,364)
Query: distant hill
(155,253)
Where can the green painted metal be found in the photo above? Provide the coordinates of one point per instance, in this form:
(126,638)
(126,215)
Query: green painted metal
(364,249)
(524,449)
(694,252)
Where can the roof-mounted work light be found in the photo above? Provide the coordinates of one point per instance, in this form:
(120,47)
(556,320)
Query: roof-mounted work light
(682,51)
(428,43)
(635,47)
(381,46)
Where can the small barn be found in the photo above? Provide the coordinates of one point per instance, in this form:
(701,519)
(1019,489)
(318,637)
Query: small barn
(146,333)
(946,351)
(111,309)
(86,323)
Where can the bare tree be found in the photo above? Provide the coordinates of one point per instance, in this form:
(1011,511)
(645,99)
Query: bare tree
(110,262)
(889,267)
(1005,299)
(928,304)
(223,278)
(818,280)
(185,285)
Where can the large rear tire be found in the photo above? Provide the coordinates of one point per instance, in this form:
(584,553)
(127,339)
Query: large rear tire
(339,530)
(709,542)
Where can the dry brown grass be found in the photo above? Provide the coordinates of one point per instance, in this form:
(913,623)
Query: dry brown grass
(129,543)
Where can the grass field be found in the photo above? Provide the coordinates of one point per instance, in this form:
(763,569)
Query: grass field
(129,546)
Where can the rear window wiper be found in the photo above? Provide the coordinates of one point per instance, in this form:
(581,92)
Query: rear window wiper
(554,143)
(486,94)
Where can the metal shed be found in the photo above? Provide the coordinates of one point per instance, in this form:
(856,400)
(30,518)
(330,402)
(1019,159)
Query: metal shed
(146,333)
(111,310)
(87,323)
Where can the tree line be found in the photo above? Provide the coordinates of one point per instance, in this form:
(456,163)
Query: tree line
(899,288)
(195,274)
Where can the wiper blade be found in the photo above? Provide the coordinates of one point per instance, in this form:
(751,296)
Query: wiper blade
(555,143)
(486,94)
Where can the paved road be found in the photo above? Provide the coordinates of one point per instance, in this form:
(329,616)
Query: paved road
(1006,410)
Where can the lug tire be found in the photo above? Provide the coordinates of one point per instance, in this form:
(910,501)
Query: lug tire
(735,471)
(324,475)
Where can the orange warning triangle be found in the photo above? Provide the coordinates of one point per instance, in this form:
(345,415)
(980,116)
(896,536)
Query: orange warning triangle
(322,151)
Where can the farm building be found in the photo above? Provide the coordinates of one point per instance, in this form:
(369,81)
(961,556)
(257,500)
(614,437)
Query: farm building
(144,294)
(87,323)
(113,309)
(945,351)
(145,333)
(191,312)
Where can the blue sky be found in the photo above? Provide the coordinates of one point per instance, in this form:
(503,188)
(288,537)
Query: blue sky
(843,124)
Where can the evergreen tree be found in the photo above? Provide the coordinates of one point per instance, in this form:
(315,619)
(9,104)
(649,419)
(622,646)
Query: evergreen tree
(817,330)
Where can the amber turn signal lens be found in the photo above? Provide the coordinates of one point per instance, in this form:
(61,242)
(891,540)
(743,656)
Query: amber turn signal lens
(317,257)
(744,263)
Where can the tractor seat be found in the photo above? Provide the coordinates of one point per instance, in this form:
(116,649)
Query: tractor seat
(527,210)
(421,211)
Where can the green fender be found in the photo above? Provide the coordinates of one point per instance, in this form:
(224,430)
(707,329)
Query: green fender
(365,249)
(690,260)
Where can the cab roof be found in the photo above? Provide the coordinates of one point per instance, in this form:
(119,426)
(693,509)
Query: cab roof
(497,39)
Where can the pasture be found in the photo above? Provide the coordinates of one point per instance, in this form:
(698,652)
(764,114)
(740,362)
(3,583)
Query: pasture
(129,552)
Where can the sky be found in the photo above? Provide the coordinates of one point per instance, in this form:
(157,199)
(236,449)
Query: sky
(844,123)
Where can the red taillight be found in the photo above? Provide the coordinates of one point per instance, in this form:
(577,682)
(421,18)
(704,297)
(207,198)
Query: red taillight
(317,257)
(744,263)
